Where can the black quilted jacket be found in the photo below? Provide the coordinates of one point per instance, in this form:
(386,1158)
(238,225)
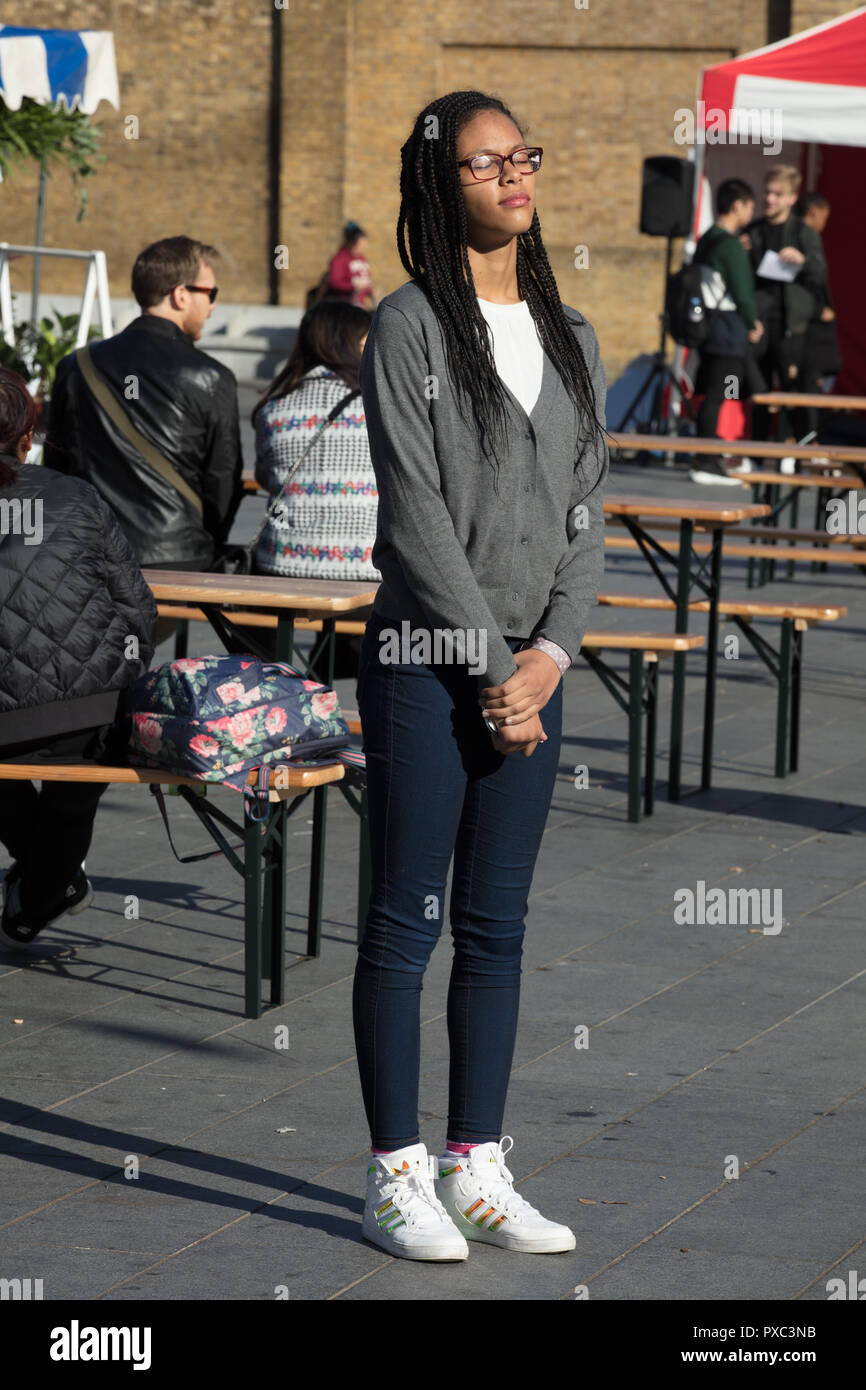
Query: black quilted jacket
(71,598)
(186,405)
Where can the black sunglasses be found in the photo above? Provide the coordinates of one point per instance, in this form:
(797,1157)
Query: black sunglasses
(210,290)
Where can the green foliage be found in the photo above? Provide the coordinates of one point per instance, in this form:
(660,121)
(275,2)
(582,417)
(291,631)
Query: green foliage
(46,136)
(38,350)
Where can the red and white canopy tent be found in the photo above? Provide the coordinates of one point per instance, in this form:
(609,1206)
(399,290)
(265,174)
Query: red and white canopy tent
(815,83)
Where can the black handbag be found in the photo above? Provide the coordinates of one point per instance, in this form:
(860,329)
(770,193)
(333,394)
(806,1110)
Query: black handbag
(239,559)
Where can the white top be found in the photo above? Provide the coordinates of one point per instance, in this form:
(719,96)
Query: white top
(517,349)
(519,358)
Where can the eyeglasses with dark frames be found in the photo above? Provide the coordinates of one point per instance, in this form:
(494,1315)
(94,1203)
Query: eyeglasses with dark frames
(210,290)
(490,166)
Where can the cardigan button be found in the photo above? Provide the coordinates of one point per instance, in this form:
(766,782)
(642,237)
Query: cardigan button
(524,540)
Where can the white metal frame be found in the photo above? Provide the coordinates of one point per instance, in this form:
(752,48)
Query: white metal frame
(95,288)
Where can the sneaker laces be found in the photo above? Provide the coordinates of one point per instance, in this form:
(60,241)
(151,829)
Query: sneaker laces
(409,1188)
(499,1185)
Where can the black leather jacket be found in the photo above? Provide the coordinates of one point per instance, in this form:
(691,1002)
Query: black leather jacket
(185,404)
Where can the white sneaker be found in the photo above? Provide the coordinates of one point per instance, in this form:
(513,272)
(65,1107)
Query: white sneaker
(788,465)
(477,1191)
(402,1213)
(698,475)
(745,465)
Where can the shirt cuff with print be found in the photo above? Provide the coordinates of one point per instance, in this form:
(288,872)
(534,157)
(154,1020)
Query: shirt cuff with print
(562,659)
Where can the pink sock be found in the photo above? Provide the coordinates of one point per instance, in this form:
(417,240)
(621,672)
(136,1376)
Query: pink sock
(453,1148)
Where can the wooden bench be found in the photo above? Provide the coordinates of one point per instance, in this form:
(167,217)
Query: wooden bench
(786,664)
(811,541)
(261,862)
(756,550)
(734,448)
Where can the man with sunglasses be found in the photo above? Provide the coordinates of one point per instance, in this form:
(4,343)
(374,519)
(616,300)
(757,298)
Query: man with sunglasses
(151,421)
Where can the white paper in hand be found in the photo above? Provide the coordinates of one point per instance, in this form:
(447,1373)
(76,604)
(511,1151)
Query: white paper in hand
(772,267)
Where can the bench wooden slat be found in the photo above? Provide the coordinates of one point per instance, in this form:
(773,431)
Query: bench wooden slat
(271,591)
(646,641)
(299,778)
(831,554)
(615,640)
(808,612)
(793,533)
(849,480)
(728,512)
(250,618)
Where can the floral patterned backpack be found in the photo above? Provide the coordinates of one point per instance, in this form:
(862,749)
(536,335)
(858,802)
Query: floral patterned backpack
(217,717)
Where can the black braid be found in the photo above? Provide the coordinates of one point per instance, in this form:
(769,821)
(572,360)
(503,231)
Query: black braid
(433,221)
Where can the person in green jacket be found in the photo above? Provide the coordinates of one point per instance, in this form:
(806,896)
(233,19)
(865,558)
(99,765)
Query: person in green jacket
(729,297)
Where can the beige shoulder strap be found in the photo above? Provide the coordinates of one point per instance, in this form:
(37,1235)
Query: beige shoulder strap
(122,422)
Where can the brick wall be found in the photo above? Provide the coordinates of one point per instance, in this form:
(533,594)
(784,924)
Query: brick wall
(597,87)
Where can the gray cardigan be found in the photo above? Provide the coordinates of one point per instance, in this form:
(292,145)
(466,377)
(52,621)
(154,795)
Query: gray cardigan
(452,554)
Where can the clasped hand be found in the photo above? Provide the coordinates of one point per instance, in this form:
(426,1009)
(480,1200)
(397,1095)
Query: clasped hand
(517,703)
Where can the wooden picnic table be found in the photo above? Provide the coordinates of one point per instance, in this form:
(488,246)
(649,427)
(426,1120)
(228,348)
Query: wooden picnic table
(692,572)
(288,598)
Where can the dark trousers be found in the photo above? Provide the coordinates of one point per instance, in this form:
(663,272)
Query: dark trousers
(713,379)
(779,354)
(436,787)
(48,832)
(820,358)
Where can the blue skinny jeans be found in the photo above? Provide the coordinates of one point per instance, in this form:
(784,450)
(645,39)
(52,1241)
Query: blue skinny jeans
(437,787)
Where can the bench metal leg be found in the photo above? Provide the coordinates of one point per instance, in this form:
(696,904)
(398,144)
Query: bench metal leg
(712,661)
(684,581)
(317,872)
(784,705)
(252,920)
(285,638)
(277,905)
(795,508)
(635,722)
(796,679)
(181,639)
(652,693)
(773,519)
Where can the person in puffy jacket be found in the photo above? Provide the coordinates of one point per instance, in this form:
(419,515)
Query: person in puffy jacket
(77,623)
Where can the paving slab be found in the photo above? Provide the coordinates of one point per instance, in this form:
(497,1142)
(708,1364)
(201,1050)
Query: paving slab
(704,1041)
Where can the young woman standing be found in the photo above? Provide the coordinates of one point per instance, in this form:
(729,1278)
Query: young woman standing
(483,395)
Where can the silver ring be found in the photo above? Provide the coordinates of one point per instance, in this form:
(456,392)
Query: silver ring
(491,723)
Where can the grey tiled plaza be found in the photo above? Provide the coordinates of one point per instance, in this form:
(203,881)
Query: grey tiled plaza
(705,1143)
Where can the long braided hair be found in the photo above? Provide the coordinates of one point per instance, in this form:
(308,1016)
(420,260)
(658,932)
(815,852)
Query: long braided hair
(433,221)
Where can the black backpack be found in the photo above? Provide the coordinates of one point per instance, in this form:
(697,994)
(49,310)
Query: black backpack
(688,319)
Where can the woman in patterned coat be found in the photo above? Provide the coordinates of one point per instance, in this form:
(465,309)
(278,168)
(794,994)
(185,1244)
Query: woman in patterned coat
(325,525)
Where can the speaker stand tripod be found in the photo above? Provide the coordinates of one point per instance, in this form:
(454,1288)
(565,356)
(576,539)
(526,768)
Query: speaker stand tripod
(658,375)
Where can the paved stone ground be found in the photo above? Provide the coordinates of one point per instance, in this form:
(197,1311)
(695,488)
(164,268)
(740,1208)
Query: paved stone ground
(708,1045)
